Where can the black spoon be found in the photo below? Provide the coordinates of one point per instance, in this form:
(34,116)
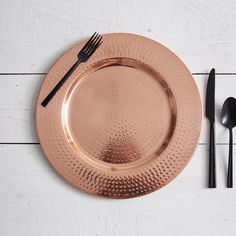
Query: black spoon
(228,119)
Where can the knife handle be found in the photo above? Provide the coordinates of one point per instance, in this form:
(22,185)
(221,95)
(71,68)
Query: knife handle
(212,165)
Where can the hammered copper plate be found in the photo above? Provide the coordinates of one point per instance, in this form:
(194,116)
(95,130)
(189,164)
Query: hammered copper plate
(125,123)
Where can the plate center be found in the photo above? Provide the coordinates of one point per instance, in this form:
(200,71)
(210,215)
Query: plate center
(119,112)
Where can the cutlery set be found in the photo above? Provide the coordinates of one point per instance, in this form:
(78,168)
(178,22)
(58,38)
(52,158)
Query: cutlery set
(228,119)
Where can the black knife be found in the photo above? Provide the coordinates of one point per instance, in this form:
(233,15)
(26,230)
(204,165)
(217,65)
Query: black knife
(210,114)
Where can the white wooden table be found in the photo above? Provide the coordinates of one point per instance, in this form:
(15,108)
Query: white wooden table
(34,200)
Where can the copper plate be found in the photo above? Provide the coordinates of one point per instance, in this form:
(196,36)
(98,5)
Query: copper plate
(125,123)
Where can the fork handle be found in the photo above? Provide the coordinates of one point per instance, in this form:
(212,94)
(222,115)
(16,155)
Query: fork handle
(59,84)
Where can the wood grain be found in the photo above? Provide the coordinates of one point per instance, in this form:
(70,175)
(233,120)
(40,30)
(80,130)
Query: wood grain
(19,94)
(36,201)
(34,33)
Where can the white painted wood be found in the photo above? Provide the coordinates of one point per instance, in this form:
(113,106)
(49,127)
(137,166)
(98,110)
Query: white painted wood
(19,94)
(34,200)
(34,33)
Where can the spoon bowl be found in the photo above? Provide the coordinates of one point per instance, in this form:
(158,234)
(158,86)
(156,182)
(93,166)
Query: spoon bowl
(228,119)
(228,113)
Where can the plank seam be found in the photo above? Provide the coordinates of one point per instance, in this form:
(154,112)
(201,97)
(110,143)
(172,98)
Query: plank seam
(44,73)
(23,143)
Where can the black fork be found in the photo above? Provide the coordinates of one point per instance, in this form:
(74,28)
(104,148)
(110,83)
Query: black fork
(84,54)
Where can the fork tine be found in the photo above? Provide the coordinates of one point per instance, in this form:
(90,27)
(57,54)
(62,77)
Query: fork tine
(95,44)
(95,48)
(92,43)
(89,41)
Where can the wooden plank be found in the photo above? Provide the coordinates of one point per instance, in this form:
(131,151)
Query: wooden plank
(34,33)
(19,93)
(18,96)
(36,201)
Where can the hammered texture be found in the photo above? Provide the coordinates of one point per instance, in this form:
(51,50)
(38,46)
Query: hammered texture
(117,129)
(119,114)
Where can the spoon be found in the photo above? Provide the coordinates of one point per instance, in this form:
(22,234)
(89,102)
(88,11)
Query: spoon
(228,119)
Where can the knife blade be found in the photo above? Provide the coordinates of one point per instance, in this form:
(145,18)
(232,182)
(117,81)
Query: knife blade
(210,114)
(210,97)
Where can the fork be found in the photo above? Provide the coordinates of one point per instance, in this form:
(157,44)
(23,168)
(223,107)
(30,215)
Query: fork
(84,54)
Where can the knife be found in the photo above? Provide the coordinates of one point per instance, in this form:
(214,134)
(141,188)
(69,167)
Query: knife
(210,114)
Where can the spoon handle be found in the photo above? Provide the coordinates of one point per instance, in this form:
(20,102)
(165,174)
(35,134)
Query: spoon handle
(230,163)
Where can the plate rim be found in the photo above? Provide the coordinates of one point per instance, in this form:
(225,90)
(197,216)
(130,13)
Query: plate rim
(133,35)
